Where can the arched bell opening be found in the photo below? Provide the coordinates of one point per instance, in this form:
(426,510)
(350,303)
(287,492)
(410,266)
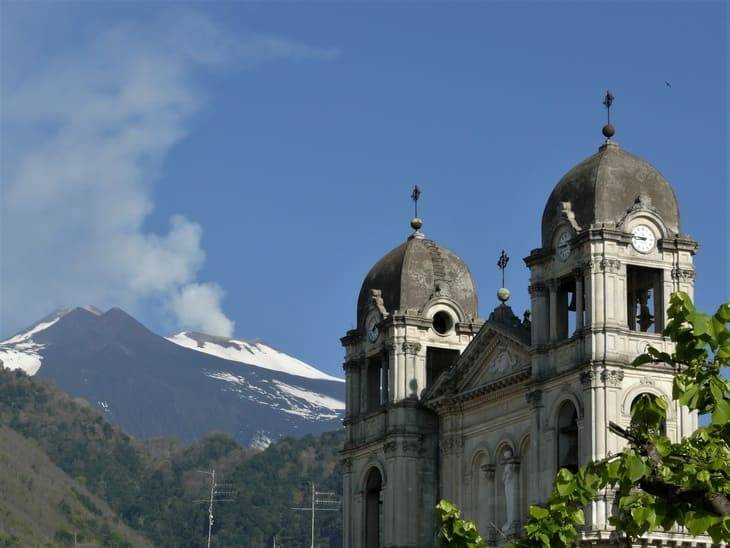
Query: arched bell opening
(374,509)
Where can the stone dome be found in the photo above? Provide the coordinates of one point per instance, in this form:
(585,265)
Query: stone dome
(602,188)
(413,274)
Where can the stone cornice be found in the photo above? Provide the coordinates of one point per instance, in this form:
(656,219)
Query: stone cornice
(487,388)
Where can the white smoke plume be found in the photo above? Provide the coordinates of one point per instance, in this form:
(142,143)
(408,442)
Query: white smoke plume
(85,134)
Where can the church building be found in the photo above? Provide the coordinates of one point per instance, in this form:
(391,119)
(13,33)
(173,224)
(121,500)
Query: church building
(444,405)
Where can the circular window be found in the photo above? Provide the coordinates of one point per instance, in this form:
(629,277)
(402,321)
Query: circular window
(442,322)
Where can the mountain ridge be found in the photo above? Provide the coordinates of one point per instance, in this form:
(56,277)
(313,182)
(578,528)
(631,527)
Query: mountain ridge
(153,386)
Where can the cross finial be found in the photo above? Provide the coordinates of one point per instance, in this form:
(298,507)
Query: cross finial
(503,293)
(416,222)
(502,264)
(415,195)
(608,129)
(607,102)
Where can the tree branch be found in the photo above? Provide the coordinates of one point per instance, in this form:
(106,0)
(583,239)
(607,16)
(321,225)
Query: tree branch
(712,502)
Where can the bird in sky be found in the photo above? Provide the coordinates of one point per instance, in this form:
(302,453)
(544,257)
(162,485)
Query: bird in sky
(668,84)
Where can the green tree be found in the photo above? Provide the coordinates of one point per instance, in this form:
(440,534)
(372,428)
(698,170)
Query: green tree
(659,483)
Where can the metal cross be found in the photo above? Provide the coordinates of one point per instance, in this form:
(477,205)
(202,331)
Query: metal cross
(607,102)
(415,195)
(502,264)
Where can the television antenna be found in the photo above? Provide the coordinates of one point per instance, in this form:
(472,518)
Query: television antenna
(215,496)
(322,501)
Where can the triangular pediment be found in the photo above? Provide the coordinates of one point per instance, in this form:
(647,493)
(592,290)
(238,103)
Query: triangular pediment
(502,356)
(495,353)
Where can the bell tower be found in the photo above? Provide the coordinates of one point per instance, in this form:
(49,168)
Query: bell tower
(611,255)
(416,312)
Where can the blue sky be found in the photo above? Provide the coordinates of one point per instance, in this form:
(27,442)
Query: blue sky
(283,139)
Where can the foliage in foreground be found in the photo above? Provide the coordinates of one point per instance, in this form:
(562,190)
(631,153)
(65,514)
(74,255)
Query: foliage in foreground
(456,532)
(659,484)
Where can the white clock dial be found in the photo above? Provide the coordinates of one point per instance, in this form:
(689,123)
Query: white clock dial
(563,247)
(643,239)
(372,329)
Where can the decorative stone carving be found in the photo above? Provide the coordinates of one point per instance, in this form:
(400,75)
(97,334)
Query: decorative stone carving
(587,377)
(347,465)
(376,297)
(565,211)
(647,380)
(602,265)
(390,446)
(534,398)
(351,365)
(504,362)
(411,448)
(537,288)
(451,444)
(683,274)
(612,377)
(609,265)
(411,347)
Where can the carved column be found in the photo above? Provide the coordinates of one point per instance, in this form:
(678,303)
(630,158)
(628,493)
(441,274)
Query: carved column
(534,400)
(538,298)
(553,289)
(347,492)
(363,378)
(411,350)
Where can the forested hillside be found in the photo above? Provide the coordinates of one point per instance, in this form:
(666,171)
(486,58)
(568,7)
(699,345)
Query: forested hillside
(153,486)
(41,505)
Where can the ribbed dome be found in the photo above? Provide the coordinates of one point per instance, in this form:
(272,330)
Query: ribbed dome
(602,188)
(415,272)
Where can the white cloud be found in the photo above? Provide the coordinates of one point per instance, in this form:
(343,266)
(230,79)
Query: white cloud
(87,135)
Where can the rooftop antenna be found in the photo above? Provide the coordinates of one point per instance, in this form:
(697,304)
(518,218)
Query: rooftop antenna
(608,129)
(503,294)
(416,222)
(215,493)
(322,501)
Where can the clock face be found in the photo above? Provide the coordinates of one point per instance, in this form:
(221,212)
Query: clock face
(563,247)
(372,329)
(643,239)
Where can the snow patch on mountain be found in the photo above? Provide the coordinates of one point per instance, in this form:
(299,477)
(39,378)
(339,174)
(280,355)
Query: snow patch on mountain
(250,353)
(21,352)
(261,440)
(284,397)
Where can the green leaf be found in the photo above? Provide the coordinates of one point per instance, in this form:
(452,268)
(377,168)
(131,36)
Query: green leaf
(721,415)
(699,523)
(636,468)
(723,313)
(538,512)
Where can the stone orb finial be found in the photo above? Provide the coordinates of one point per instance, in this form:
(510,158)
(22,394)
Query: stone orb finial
(608,131)
(503,294)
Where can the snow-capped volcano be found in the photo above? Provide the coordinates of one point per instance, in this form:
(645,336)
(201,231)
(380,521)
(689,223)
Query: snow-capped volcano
(186,386)
(249,352)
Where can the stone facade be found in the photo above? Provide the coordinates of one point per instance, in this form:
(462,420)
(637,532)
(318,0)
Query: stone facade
(483,413)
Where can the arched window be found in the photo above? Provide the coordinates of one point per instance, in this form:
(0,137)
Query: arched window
(652,397)
(568,437)
(374,510)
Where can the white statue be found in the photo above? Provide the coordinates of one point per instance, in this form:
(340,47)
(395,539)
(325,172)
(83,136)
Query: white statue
(509,479)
